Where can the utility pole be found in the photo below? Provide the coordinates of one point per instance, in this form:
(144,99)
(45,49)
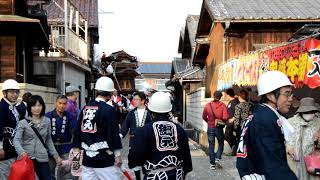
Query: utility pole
(66,34)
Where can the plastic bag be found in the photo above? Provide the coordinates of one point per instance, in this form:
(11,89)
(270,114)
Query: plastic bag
(22,170)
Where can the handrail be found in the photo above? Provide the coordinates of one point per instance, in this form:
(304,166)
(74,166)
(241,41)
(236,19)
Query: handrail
(76,45)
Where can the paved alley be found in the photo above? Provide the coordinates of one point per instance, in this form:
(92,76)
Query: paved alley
(200,161)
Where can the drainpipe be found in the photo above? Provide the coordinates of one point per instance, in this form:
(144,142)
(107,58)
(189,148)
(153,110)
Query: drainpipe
(183,103)
(184,107)
(224,49)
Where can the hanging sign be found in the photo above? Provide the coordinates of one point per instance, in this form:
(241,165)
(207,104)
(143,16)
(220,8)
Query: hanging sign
(300,61)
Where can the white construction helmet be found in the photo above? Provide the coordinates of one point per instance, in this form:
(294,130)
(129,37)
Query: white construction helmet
(104,84)
(160,103)
(272,80)
(10,84)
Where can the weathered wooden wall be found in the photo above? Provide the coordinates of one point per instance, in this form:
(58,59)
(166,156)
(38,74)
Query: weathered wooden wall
(7,57)
(7,45)
(7,7)
(241,45)
(239,41)
(214,58)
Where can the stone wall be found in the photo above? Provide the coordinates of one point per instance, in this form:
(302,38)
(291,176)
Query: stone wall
(196,127)
(195,102)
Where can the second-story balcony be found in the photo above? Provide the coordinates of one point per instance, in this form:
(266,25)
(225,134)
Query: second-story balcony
(76,44)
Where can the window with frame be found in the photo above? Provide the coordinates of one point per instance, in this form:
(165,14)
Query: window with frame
(126,84)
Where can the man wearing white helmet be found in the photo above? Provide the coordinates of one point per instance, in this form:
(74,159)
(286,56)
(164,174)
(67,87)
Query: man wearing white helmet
(9,118)
(161,146)
(97,133)
(261,152)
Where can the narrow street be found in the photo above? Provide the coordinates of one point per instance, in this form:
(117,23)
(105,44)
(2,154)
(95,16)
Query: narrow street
(221,68)
(200,161)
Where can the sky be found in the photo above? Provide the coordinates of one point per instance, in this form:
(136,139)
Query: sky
(148,29)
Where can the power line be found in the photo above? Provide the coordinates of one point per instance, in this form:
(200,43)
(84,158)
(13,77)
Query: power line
(100,11)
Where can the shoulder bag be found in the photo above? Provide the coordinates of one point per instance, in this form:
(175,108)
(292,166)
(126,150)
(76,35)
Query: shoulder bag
(218,122)
(39,136)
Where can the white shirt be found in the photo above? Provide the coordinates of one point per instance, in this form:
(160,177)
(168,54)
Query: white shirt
(140,115)
(115,98)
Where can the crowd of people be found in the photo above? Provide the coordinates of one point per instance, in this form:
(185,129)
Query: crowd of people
(71,143)
(277,138)
(271,139)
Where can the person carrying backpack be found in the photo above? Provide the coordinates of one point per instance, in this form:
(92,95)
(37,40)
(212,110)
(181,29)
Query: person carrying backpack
(261,152)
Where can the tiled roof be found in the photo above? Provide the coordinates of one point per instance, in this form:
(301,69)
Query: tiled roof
(306,31)
(87,8)
(182,32)
(193,73)
(263,9)
(55,11)
(122,55)
(181,39)
(192,24)
(155,68)
(179,64)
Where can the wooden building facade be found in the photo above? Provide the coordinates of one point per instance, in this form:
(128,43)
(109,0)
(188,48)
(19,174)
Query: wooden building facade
(185,77)
(73,31)
(229,28)
(124,70)
(22,29)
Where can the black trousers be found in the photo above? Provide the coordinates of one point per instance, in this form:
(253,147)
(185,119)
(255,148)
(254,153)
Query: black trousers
(42,170)
(228,135)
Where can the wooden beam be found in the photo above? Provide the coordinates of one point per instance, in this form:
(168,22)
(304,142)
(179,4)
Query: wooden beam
(86,30)
(66,34)
(71,17)
(77,22)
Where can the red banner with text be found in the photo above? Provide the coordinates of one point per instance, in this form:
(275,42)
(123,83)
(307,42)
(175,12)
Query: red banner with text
(300,61)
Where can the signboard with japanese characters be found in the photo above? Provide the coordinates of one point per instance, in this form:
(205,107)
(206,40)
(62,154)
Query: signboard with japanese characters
(247,70)
(312,74)
(290,59)
(226,76)
(300,61)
